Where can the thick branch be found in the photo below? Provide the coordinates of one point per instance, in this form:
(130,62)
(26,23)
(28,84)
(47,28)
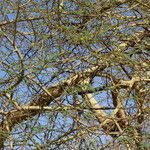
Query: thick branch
(17,116)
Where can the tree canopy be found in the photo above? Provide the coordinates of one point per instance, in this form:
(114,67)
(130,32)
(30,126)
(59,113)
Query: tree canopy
(74,74)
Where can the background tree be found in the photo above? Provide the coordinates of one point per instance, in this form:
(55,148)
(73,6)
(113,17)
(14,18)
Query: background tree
(74,74)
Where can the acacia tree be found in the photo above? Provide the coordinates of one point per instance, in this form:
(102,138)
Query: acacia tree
(74,74)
